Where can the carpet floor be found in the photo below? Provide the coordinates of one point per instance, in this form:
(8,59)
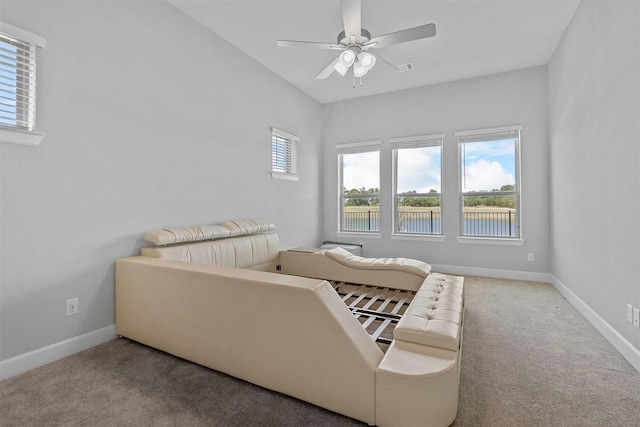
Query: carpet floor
(529,359)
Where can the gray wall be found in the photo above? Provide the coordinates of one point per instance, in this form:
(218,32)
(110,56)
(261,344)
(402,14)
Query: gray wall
(594,131)
(512,98)
(151,121)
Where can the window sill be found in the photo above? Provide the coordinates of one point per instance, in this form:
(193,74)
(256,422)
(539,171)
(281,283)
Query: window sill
(490,241)
(422,237)
(360,234)
(284,176)
(20,137)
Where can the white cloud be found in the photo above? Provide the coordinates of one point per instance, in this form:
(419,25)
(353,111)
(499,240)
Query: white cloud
(361,170)
(485,175)
(418,170)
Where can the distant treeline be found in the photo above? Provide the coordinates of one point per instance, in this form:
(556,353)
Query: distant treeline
(370,197)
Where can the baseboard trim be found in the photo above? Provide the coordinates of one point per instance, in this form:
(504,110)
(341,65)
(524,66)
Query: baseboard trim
(621,344)
(490,272)
(39,357)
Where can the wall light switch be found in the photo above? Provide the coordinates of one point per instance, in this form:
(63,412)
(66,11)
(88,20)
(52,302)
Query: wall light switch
(636,318)
(629,313)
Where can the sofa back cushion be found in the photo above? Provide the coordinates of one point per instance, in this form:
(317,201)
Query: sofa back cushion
(256,252)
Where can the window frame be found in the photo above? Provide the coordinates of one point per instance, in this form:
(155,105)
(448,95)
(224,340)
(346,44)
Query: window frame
(435,140)
(290,170)
(18,134)
(356,148)
(492,134)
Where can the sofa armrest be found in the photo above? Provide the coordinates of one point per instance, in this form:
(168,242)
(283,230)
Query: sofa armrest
(417,385)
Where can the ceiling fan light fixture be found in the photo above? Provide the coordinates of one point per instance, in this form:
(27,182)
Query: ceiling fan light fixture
(347,58)
(367,60)
(359,70)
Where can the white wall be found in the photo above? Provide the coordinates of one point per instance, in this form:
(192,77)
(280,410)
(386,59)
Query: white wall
(594,130)
(512,98)
(151,121)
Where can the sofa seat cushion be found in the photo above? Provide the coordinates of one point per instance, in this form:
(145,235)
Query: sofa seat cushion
(434,317)
(345,257)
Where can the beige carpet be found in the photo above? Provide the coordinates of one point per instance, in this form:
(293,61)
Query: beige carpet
(529,359)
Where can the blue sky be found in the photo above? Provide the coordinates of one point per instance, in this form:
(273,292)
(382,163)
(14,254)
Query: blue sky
(487,166)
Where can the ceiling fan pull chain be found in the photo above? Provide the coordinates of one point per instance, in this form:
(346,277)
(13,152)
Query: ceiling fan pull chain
(354,80)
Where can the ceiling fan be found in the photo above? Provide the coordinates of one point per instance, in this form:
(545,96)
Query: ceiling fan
(355,42)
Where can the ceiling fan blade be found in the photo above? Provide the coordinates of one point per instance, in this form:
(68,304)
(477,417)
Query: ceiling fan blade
(415,33)
(399,68)
(313,45)
(328,70)
(384,60)
(351,17)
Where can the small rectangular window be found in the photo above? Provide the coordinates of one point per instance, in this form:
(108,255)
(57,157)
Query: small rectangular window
(359,169)
(284,153)
(489,182)
(17,83)
(417,181)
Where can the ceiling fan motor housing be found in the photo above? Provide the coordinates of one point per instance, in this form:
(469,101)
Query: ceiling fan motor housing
(363,38)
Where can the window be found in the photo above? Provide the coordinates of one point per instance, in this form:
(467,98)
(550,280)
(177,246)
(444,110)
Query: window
(284,153)
(359,183)
(489,182)
(18,84)
(417,177)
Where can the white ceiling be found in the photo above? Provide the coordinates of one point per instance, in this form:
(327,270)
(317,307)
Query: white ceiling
(474,38)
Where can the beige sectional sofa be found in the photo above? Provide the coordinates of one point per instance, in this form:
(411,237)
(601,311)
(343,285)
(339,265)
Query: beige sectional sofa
(227,297)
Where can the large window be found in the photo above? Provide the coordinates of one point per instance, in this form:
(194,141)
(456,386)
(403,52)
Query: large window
(489,182)
(284,155)
(417,181)
(359,169)
(18,85)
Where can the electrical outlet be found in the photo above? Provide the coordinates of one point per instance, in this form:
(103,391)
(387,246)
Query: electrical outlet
(72,306)
(636,318)
(530,257)
(629,313)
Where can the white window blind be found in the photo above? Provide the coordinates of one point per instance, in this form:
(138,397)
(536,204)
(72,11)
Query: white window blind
(17,82)
(284,155)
